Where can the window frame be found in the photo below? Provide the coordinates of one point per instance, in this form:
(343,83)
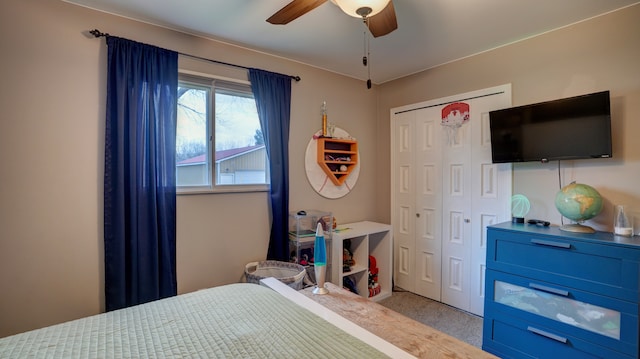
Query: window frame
(230,86)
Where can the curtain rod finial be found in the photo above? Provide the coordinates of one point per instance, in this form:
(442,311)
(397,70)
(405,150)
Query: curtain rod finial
(97,33)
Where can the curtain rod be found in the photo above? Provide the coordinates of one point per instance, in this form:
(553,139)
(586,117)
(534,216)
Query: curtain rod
(97,33)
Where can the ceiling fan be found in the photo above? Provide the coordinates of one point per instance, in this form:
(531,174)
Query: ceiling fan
(378,15)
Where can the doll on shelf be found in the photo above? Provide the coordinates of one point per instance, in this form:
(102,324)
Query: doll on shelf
(347,257)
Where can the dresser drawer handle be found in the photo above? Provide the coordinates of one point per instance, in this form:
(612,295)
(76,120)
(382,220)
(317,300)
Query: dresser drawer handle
(544,288)
(551,244)
(546,334)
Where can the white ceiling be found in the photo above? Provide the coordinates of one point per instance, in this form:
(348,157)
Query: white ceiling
(430,32)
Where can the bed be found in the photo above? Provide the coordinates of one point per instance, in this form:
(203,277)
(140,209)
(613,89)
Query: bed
(239,320)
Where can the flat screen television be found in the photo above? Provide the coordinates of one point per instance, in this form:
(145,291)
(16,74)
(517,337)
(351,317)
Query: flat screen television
(566,129)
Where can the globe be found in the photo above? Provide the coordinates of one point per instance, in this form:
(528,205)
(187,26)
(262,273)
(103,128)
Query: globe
(578,202)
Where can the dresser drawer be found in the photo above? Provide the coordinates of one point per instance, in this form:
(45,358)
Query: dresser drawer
(511,337)
(584,316)
(570,260)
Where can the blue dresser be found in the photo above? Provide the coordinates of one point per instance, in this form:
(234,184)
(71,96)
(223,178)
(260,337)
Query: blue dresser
(556,294)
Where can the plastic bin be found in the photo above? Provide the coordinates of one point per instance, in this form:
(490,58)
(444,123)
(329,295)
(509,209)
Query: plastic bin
(291,274)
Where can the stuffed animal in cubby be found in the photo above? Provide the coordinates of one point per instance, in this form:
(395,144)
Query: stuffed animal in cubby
(347,257)
(374,286)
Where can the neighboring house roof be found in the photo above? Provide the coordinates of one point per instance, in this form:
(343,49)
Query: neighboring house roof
(221,155)
(193,160)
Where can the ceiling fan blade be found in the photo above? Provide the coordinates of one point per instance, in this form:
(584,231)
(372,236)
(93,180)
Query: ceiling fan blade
(294,10)
(383,22)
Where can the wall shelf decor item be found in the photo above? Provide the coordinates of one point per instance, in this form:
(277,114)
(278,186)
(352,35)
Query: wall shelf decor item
(337,158)
(332,163)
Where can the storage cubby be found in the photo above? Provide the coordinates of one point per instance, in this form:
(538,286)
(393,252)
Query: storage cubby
(365,238)
(333,153)
(358,249)
(359,280)
(378,247)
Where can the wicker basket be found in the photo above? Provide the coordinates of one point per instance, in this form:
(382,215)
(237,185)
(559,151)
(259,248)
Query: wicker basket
(291,274)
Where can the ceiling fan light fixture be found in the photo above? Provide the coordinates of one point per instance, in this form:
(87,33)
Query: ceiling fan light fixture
(352,7)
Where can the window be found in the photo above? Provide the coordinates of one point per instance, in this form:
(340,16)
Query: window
(219,143)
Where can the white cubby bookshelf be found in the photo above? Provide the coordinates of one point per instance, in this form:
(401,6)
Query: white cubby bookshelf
(367,238)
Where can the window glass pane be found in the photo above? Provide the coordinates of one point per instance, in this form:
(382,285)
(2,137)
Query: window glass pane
(219,143)
(240,152)
(192,164)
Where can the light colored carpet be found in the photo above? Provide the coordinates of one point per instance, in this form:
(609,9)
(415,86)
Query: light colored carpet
(455,322)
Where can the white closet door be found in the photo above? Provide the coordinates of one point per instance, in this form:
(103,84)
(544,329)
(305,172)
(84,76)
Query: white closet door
(456,217)
(445,192)
(417,201)
(490,194)
(476,194)
(403,202)
(428,199)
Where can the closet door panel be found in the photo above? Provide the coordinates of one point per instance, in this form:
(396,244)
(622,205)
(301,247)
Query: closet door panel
(428,199)
(490,193)
(403,212)
(456,226)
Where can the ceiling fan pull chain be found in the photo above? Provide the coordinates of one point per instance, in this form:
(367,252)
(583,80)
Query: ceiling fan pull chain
(364,43)
(369,61)
(368,47)
(366,59)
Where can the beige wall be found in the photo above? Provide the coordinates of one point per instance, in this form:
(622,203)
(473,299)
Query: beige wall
(51,162)
(595,55)
(51,139)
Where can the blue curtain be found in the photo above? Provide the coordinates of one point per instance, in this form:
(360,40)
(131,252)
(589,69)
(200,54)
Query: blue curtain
(272,92)
(139,174)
